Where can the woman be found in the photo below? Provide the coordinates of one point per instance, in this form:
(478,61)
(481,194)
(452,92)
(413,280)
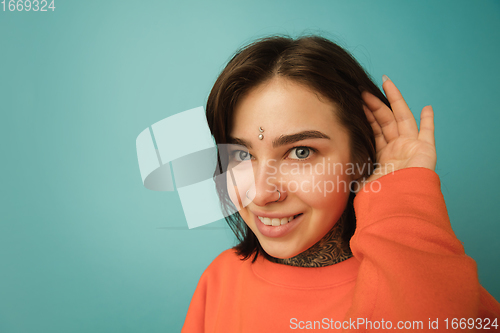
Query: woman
(366,245)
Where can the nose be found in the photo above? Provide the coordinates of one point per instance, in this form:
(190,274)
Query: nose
(269,187)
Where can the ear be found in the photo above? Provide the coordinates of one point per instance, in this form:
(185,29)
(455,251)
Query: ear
(361,172)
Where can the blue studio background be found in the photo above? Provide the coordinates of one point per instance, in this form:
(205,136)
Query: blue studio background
(84,247)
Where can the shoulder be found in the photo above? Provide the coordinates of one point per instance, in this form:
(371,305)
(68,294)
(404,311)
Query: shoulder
(226,263)
(215,286)
(227,257)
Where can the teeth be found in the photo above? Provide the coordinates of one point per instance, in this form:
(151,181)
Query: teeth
(276,221)
(266,220)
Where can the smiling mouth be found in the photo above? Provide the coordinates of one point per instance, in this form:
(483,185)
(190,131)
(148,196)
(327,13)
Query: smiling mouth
(275,222)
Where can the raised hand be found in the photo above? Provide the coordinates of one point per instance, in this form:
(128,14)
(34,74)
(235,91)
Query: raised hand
(399,143)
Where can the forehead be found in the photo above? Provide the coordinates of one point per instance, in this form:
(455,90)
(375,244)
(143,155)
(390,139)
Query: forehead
(281,106)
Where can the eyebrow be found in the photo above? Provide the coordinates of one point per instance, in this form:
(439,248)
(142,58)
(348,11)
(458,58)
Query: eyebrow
(286,139)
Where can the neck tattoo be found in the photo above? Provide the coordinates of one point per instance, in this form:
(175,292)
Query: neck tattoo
(329,250)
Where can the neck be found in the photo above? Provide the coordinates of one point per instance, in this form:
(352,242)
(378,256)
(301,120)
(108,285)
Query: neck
(329,250)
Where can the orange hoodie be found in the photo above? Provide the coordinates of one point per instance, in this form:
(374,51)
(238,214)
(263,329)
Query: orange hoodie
(409,272)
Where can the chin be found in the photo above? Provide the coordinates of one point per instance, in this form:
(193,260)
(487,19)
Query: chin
(281,251)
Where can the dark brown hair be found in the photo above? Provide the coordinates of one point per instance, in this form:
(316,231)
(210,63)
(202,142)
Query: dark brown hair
(316,63)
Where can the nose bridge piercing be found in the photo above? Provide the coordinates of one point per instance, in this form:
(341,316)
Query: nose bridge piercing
(261,130)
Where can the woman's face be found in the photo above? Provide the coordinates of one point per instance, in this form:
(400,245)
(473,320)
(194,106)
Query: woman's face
(304,154)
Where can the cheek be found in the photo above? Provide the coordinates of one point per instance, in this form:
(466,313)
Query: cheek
(238,183)
(249,221)
(327,193)
(239,180)
(233,192)
(319,183)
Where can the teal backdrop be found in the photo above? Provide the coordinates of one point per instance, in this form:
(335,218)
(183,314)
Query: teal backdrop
(85,247)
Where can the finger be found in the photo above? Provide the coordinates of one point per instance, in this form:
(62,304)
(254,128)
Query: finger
(383,115)
(427,125)
(407,126)
(377,130)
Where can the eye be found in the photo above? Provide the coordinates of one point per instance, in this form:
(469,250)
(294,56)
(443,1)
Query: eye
(240,155)
(300,153)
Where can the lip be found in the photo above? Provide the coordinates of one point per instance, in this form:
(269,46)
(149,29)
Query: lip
(278,231)
(274,215)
